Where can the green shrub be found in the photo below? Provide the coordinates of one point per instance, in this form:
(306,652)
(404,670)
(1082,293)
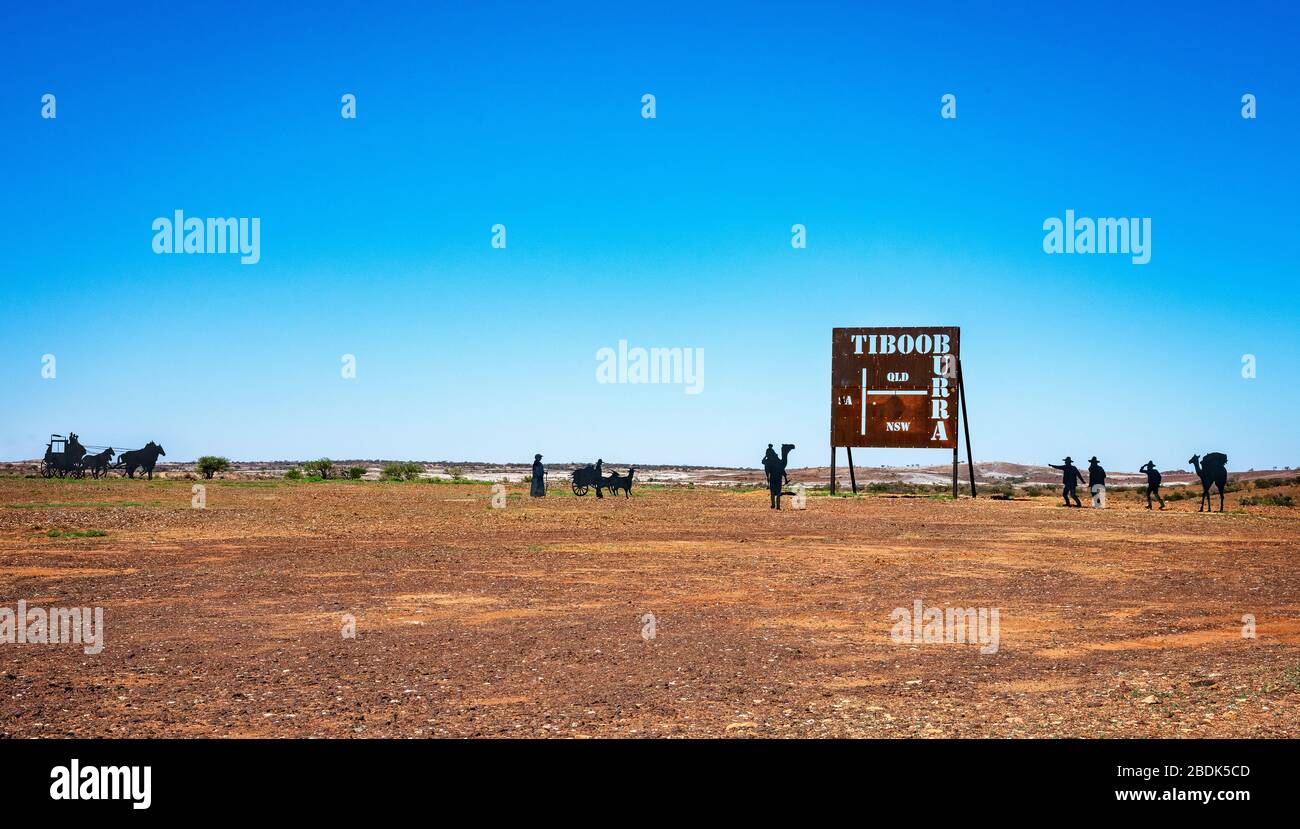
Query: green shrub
(210,465)
(403,471)
(294,474)
(322,468)
(76,534)
(1268,501)
(355,472)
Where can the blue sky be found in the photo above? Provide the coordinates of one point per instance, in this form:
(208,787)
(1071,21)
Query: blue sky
(375,232)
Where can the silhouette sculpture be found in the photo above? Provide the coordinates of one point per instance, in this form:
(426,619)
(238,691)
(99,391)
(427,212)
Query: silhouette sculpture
(143,459)
(1096,478)
(586,477)
(623,482)
(1213,471)
(97,465)
(770,457)
(775,470)
(63,457)
(1071,478)
(539,478)
(1153,483)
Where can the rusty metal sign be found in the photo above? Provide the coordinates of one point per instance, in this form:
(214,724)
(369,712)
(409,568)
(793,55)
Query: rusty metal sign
(895,387)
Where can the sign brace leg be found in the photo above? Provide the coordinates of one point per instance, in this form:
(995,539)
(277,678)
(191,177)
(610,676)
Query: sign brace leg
(832,470)
(965,419)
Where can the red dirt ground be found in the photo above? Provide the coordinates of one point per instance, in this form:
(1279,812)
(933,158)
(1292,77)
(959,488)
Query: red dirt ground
(527,621)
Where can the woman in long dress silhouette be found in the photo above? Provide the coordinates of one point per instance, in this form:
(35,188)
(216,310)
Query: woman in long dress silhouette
(539,478)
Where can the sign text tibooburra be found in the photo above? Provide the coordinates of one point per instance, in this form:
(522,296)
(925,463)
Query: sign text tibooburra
(894,387)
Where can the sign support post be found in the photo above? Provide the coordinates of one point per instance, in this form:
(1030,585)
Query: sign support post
(853,478)
(954,472)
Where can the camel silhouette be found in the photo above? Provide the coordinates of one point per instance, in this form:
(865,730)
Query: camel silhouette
(775,469)
(1213,471)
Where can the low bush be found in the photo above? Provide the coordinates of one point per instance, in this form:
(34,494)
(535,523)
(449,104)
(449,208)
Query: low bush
(321,468)
(403,471)
(1268,501)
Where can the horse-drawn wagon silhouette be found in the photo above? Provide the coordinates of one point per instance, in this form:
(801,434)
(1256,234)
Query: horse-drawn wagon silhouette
(584,478)
(63,457)
(68,458)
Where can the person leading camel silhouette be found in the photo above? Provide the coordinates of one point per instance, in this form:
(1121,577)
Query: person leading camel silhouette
(1213,471)
(1153,483)
(775,470)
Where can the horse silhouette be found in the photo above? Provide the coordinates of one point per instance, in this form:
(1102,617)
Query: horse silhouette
(143,459)
(775,469)
(97,465)
(1213,471)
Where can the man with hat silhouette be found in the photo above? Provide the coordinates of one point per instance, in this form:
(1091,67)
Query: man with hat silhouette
(769,458)
(1097,483)
(1153,483)
(1071,478)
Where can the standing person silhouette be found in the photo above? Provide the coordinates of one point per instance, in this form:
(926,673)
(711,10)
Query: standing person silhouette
(1071,478)
(768,459)
(1153,483)
(600,476)
(1096,478)
(539,478)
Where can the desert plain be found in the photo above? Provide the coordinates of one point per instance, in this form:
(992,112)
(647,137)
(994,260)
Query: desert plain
(679,612)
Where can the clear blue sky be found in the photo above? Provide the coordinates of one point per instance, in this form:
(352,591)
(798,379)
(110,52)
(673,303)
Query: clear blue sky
(375,232)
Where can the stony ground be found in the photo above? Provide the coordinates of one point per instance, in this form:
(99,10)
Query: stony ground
(531,620)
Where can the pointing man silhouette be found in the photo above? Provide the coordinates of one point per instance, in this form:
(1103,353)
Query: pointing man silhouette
(1071,478)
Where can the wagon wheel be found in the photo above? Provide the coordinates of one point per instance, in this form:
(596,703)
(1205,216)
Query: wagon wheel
(47,470)
(580,490)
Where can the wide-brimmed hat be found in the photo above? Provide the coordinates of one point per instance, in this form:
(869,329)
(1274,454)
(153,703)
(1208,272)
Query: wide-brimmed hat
(1069,459)
(1151,463)
(1093,459)
(537,457)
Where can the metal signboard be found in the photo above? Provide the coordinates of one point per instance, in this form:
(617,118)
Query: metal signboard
(895,387)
